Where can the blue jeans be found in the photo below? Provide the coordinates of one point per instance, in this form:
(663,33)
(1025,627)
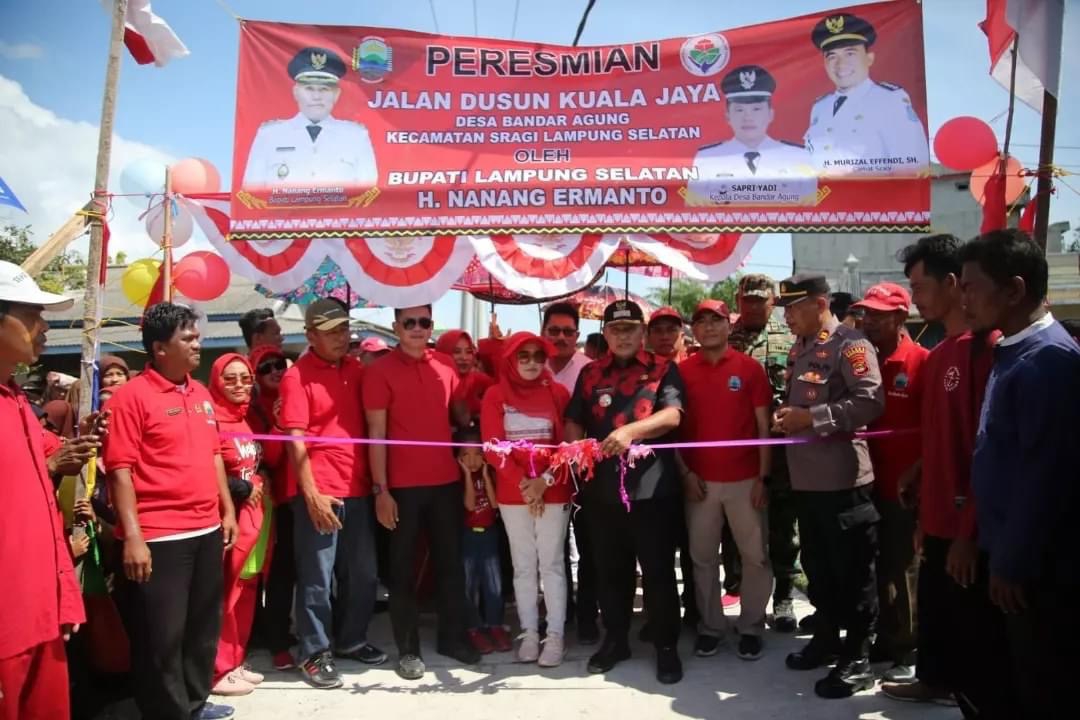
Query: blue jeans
(483,577)
(347,556)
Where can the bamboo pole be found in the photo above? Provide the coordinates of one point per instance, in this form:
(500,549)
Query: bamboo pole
(1046,172)
(166,240)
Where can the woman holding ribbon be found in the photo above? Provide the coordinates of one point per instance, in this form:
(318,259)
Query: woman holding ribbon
(526,407)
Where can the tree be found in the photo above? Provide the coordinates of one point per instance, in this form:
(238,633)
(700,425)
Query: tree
(67,271)
(686,294)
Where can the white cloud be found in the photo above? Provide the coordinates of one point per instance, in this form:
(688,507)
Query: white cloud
(21,51)
(49,164)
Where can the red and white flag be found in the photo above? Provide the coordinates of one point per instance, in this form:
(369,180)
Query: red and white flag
(148,38)
(1036,27)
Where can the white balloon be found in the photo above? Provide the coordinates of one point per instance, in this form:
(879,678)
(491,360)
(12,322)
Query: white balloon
(182,224)
(142,178)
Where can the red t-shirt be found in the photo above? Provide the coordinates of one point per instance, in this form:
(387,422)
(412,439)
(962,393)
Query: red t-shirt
(416,395)
(483,515)
(720,404)
(901,377)
(167,436)
(471,389)
(35,560)
(325,400)
(954,382)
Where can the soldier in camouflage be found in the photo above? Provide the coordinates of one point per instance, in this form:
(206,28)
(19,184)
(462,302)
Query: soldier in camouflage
(768,340)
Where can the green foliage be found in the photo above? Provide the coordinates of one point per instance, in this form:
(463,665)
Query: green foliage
(67,271)
(686,294)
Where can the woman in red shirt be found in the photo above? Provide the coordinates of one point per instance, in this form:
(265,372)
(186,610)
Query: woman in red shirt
(458,347)
(527,404)
(231,379)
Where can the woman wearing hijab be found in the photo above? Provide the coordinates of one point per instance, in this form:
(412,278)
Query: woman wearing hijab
(61,417)
(231,379)
(114,371)
(458,347)
(527,404)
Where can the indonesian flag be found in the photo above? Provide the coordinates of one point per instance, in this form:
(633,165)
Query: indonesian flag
(148,38)
(1036,27)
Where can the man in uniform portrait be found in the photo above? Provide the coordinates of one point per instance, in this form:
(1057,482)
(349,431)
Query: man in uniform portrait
(312,148)
(864,127)
(752,167)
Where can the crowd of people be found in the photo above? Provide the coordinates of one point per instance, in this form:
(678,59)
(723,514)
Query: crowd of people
(925,493)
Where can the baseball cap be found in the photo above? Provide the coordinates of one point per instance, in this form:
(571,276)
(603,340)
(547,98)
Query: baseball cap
(886,297)
(374,345)
(325,314)
(17,286)
(623,312)
(666,312)
(714,306)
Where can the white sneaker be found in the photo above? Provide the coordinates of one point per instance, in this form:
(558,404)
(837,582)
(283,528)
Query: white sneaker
(248,675)
(232,685)
(552,656)
(529,649)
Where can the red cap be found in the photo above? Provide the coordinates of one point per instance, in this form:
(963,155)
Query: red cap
(373,345)
(714,306)
(886,297)
(665,312)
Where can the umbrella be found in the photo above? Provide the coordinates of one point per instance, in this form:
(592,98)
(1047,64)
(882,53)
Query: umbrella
(592,300)
(328,281)
(483,286)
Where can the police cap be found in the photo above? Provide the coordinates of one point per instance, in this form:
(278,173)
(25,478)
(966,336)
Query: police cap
(317,66)
(801,286)
(748,83)
(836,31)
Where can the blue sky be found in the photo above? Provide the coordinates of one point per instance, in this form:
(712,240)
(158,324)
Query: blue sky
(187,108)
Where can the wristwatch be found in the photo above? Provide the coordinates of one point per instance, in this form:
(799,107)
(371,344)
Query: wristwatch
(549,479)
(376,489)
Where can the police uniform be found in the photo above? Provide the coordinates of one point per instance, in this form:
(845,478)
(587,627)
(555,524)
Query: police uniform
(870,129)
(300,153)
(835,375)
(772,172)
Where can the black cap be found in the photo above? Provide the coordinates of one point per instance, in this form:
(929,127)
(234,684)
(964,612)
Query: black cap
(748,83)
(836,31)
(623,311)
(801,286)
(317,66)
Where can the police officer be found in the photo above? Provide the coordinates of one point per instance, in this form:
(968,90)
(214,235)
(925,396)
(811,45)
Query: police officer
(833,387)
(766,339)
(782,172)
(313,148)
(863,127)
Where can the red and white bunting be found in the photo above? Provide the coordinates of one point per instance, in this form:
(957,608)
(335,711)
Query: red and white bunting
(544,265)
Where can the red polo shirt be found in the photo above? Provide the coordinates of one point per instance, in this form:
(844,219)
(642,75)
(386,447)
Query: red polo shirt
(167,437)
(901,377)
(416,396)
(326,399)
(35,561)
(720,404)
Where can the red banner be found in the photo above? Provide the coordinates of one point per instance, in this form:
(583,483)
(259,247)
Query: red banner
(811,123)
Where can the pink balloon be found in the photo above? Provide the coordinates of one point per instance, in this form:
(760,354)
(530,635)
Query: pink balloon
(192,176)
(201,276)
(965,143)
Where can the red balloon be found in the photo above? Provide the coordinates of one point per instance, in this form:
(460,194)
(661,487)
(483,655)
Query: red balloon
(201,276)
(192,176)
(1015,182)
(965,143)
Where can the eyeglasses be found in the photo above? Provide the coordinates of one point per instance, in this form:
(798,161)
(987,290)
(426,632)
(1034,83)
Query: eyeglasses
(555,331)
(539,357)
(410,323)
(237,379)
(268,366)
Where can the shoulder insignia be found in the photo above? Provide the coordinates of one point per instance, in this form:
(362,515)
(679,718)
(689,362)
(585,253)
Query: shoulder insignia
(272,123)
(793,144)
(856,356)
(714,145)
(889,86)
(823,97)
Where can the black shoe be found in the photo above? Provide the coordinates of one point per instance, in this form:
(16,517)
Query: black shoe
(783,617)
(846,679)
(367,654)
(749,647)
(410,667)
(462,652)
(319,671)
(588,633)
(608,656)
(645,634)
(668,666)
(807,623)
(816,653)
(706,645)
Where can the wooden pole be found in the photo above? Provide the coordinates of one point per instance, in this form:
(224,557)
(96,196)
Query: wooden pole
(166,240)
(1046,172)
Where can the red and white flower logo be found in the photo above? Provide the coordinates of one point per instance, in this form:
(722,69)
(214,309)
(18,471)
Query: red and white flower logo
(705,55)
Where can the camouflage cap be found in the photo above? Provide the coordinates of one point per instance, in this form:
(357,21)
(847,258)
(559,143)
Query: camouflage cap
(757,285)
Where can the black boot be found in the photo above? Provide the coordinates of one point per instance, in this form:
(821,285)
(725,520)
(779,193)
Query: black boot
(611,653)
(852,672)
(821,650)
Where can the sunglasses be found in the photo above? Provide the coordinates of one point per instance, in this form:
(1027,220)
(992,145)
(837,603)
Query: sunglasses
(268,366)
(539,357)
(424,323)
(237,379)
(564,331)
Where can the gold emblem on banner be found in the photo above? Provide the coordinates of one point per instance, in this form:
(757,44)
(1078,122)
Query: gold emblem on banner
(283,171)
(834,24)
(400,250)
(318,61)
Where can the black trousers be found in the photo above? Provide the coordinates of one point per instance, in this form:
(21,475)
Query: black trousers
(839,549)
(174,622)
(1043,644)
(438,510)
(897,575)
(280,583)
(585,606)
(686,566)
(647,533)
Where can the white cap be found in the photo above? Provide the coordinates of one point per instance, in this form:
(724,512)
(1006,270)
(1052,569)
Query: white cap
(18,287)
